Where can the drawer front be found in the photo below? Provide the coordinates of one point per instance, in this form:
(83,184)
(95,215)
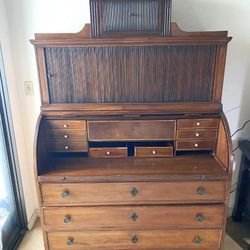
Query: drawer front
(197,134)
(68,135)
(153,151)
(135,217)
(132,193)
(198,123)
(208,239)
(131,130)
(66,124)
(108,152)
(133,15)
(196,145)
(68,146)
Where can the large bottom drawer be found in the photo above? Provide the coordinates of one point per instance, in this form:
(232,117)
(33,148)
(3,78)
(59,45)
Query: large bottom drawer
(139,240)
(134,217)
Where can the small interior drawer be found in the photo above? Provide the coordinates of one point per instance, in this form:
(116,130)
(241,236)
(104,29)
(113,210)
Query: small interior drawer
(196,145)
(108,152)
(153,151)
(66,135)
(198,123)
(135,130)
(66,124)
(196,134)
(68,146)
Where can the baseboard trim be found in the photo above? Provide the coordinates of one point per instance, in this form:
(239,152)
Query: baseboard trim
(33,219)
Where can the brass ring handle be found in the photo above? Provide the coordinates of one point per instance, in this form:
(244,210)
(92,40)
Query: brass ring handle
(67,219)
(197,239)
(134,239)
(200,217)
(201,191)
(65,194)
(134,191)
(70,241)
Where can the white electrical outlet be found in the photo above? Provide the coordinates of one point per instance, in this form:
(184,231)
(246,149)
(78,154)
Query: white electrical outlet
(28,88)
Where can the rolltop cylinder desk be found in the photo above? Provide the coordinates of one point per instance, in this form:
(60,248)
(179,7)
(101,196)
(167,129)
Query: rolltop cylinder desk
(132,149)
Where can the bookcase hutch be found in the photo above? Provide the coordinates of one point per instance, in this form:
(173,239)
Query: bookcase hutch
(132,149)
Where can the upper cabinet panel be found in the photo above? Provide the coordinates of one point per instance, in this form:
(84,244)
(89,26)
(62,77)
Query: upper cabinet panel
(130,74)
(130,18)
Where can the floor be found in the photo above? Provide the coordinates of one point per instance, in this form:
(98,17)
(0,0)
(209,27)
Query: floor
(240,232)
(34,240)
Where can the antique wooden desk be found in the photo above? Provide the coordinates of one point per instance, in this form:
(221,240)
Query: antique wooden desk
(132,149)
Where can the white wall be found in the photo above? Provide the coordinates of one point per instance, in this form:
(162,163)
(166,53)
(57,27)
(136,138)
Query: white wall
(192,15)
(27,17)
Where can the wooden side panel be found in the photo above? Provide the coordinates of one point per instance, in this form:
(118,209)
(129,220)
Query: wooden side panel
(224,147)
(41,65)
(131,74)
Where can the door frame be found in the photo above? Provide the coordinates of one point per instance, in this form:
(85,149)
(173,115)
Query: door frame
(15,176)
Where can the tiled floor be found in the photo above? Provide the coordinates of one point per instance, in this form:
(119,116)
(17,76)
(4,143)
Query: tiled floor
(34,240)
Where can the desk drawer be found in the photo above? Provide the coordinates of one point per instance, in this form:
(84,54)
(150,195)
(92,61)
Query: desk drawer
(66,124)
(196,145)
(197,134)
(68,135)
(108,152)
(134,217)
(132,193)
(208,239)
(153,151)
(198,123)
(68,146)
(131,130)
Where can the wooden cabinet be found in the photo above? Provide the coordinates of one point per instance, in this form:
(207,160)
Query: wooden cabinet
(132,149)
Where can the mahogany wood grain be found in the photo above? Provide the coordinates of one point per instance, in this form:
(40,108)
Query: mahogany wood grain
(196,134)
(196,145)
(68,146)
(66,135)
(133,130)
(153,151)
(76,109)
(41,66)
(108,152)
(66,124)
(135,169)
(134,217)
(121,193)
(198,123)
(146,240)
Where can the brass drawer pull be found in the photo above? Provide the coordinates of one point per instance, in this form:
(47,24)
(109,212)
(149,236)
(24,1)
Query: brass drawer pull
(153,152)
(200,217)
(70,241)
(196,145)
(198,123)
(134,191)
(197,134)
(65,194)
(134,216)
(201,191)
(197,239)
(65,125)
(66,136)
(134,239)
(66,147)
(108,153)
(67,219)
